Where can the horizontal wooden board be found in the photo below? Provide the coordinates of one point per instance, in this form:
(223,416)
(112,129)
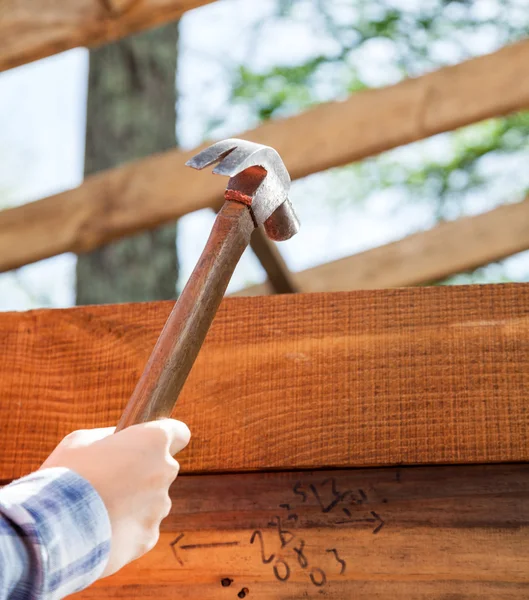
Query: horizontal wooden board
(40,28)
(297,381)
(428,256)
(409,533)
(146,193)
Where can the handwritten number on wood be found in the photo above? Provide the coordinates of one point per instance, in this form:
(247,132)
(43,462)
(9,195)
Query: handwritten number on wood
(318,577)
(265,560)
(299,492)
(342,562)
(302,559)
(337,496)
(286,570)
(320,491)
(291,516)
(283,533)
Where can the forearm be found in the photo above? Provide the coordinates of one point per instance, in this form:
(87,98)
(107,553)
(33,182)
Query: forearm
(54,535)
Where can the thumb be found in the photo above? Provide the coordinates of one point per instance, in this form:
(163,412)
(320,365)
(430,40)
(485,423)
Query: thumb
(177,432)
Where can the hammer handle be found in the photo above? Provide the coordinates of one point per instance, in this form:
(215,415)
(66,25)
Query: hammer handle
(184,332)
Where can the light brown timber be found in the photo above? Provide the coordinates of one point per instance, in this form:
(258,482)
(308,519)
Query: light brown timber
(449,248)
(144,194)
(408,533)
(40,28)
(296,381)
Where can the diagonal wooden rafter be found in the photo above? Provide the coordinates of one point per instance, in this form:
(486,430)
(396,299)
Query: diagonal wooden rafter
(280,279)
(445,250)
(147,193)
(40,28)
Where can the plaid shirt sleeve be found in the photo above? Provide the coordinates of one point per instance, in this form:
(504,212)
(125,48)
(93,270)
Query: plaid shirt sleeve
(54,536)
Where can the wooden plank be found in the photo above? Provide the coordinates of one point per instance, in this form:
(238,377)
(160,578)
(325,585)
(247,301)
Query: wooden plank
(295,381)
(144,194)
(280,279)
(29,31)
(410,533)
(445,250)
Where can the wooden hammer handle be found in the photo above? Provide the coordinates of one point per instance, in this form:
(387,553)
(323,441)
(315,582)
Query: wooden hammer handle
(185,330)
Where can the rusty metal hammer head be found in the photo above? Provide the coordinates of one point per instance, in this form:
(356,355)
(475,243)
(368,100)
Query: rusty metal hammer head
(258,178)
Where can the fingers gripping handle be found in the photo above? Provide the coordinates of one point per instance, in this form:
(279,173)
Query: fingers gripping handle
(179,343)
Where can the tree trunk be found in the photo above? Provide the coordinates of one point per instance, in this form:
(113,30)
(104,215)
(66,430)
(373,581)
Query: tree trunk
(131,113)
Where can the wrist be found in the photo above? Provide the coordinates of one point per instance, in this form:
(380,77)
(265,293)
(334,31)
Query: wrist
(67,527)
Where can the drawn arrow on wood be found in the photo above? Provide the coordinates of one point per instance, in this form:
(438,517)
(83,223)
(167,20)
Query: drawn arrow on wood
(175,546)
(375,518)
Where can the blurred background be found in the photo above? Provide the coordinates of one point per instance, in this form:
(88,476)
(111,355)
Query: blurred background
(227,67)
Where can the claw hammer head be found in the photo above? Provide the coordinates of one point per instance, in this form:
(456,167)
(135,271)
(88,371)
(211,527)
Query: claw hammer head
(258,178)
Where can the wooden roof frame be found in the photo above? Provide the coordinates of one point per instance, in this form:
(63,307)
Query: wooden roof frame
(157,190)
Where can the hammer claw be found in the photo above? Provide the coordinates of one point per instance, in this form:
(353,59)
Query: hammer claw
(230,164)
(213,154)
(243,158)
(234,156)
(258,172)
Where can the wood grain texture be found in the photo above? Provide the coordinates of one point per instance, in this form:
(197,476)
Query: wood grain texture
(144,194)
(187,326)
(296,381)
(33,30)
(409,533)
(428,256)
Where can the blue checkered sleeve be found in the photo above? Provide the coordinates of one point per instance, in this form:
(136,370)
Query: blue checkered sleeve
(54,536)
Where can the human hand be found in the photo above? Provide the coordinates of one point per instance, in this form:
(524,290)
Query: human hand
(131,471)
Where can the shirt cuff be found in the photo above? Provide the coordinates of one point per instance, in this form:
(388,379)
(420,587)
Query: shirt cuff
(66,526)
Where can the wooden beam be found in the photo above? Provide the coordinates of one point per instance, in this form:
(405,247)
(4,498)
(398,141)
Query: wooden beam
(29,31)
(438,532)
(280,279)
(144,194)
(296,381)
(450,248)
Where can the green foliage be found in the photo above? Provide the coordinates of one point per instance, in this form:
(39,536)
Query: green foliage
(278,89)
(430,34)
(445,182)
(416,37)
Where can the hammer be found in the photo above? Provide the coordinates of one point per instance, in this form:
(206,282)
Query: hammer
(256,195)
